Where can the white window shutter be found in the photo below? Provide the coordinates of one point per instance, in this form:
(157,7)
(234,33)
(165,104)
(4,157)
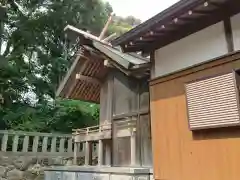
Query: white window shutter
(213,102)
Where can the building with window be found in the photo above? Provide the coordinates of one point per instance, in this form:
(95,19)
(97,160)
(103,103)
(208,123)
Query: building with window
(194,88)
(191,81)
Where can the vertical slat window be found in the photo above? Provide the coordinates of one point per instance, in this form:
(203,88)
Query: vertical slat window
(213,102)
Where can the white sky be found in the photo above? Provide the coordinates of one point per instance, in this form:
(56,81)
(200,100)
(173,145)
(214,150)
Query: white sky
(142,9)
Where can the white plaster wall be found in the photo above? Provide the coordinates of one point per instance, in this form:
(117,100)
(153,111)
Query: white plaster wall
(202,46)
(235,22)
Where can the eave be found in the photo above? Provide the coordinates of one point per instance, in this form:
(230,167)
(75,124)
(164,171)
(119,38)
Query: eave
(83,80)
(92,63)
(178,21)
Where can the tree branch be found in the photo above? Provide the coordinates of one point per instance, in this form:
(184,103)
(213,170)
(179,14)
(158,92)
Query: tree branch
(16,7)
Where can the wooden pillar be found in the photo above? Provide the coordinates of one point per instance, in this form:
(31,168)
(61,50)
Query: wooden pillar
(100,152)
(108,153)
(61,146)
(53,144)
(35,144)
(87,153)
(25,144)
(76,150)
(70,143)
(15,143)
(45,144)
(133,148)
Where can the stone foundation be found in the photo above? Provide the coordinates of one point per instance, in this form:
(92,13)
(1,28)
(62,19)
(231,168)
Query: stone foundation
(98,173)
(29,168)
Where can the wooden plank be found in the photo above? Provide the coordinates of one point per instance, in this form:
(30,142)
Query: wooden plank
(83,33)
(4,143)
(104,30)
(88,79)
(185,155)
(84,65)
(66,78)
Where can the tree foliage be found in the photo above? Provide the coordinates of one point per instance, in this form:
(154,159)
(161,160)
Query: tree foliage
(32,62)
(121,25)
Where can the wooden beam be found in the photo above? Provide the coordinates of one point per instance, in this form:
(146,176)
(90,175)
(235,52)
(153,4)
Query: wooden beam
(108,64)
(152,60)
(88,79)
(109,38)
(160,19)
(201,23)
(216,4)
(229,34)
(70,71)
(106,26)
(201,12)
(84,65)
(149,39)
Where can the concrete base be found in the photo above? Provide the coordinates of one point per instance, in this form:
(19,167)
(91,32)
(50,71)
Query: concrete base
(97,173)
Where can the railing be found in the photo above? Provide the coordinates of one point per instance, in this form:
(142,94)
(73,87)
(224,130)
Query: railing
(38,144)
(93,133)
(89,137)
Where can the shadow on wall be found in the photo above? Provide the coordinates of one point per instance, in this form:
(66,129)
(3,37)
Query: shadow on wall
(218,133)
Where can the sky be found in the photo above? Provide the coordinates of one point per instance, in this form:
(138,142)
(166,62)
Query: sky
(142,9)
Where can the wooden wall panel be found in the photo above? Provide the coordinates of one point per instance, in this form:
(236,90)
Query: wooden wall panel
(180,154)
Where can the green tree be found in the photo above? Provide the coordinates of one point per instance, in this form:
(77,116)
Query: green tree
(121,25)
(32,59)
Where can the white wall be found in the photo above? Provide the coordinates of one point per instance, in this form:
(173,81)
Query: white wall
(235,21)
(202,46)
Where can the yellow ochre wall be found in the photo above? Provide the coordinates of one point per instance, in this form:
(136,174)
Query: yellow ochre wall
(180,154)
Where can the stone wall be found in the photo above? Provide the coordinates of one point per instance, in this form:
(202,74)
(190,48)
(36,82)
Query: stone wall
(28,168)
(25,155)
